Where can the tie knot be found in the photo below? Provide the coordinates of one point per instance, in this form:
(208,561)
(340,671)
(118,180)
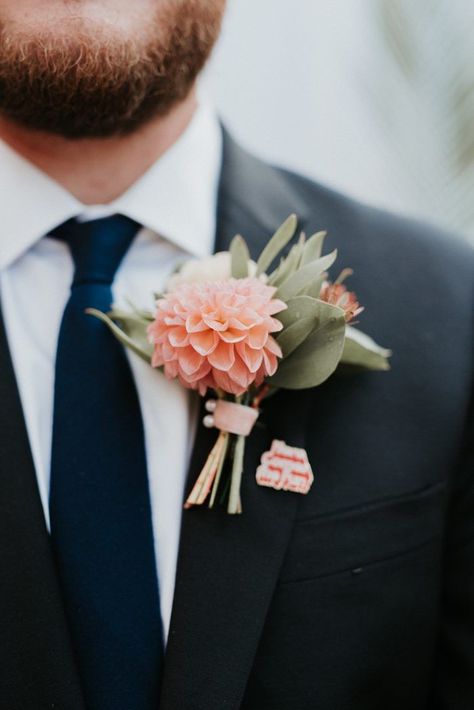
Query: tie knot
(97,246)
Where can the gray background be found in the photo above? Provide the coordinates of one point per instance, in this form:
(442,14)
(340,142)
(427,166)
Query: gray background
(374,97)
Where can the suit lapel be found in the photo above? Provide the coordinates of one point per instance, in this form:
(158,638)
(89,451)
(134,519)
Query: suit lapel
(228,565)
(36,661)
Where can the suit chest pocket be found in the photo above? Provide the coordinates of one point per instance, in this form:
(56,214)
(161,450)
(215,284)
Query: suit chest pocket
(354,540)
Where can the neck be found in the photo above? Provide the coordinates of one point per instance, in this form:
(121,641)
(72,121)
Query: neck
(96,171)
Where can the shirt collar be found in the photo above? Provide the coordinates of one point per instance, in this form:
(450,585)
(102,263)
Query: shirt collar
(176,198)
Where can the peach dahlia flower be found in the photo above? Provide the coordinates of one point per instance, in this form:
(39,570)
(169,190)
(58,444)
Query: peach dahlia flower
(217,334)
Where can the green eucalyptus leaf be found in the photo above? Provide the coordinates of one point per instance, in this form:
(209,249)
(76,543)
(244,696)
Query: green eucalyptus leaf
(273,277)
(297,308)
(363,352)
(304,277)
(134,326)
(299,320)
(313,248)
(280,239)
(134,339)
(287,266)
(140,318)
(314,288)
(317,357)
(239,258)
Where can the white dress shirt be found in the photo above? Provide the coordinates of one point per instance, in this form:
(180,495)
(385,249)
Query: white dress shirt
(175,200)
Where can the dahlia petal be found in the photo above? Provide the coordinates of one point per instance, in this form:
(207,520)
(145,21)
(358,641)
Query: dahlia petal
(237,324)
(223,357)
(185,383)
(215,324)
(168,352)
(240,374)
(209,381)
(201,387)
(233,302)
(232,335)
(178,337)
(152,332)
(204,342)
(260,376)
(276,306)
(194,323)
(180,309)
(224,382)
(273,347)
(192,377)
(157,359)
(249,317)
(271,363)
(189,360)
(251,357)
(173,320)
(171,369)
(274,325)
(257,337)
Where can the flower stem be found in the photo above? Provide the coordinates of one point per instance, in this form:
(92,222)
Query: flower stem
(220,466)
(203,485)
(234,505)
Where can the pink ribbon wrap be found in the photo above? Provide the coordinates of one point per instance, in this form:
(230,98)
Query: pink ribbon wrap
(234,418)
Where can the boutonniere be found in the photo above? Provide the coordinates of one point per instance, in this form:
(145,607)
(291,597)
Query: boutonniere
(237,330)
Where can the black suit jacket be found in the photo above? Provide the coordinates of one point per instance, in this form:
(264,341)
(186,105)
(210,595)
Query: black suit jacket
(359,596)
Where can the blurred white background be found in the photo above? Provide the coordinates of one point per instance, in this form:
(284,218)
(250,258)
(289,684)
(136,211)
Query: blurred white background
(374,97)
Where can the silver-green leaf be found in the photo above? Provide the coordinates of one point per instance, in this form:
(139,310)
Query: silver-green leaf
(134,339)
(304,277)
(280,239)
(314,288)
(310,364)
(299,320)
(288,266)
(363,352)
(239,258)
(313,248)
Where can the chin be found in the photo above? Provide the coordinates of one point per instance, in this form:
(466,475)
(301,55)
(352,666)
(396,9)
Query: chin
(63,16)
(101,69)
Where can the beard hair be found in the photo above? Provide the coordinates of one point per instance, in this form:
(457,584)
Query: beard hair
(92,84)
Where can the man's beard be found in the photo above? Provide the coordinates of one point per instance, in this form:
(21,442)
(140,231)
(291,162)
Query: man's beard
(92,84)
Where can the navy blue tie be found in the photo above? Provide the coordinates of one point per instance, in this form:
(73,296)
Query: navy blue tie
(101,524)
